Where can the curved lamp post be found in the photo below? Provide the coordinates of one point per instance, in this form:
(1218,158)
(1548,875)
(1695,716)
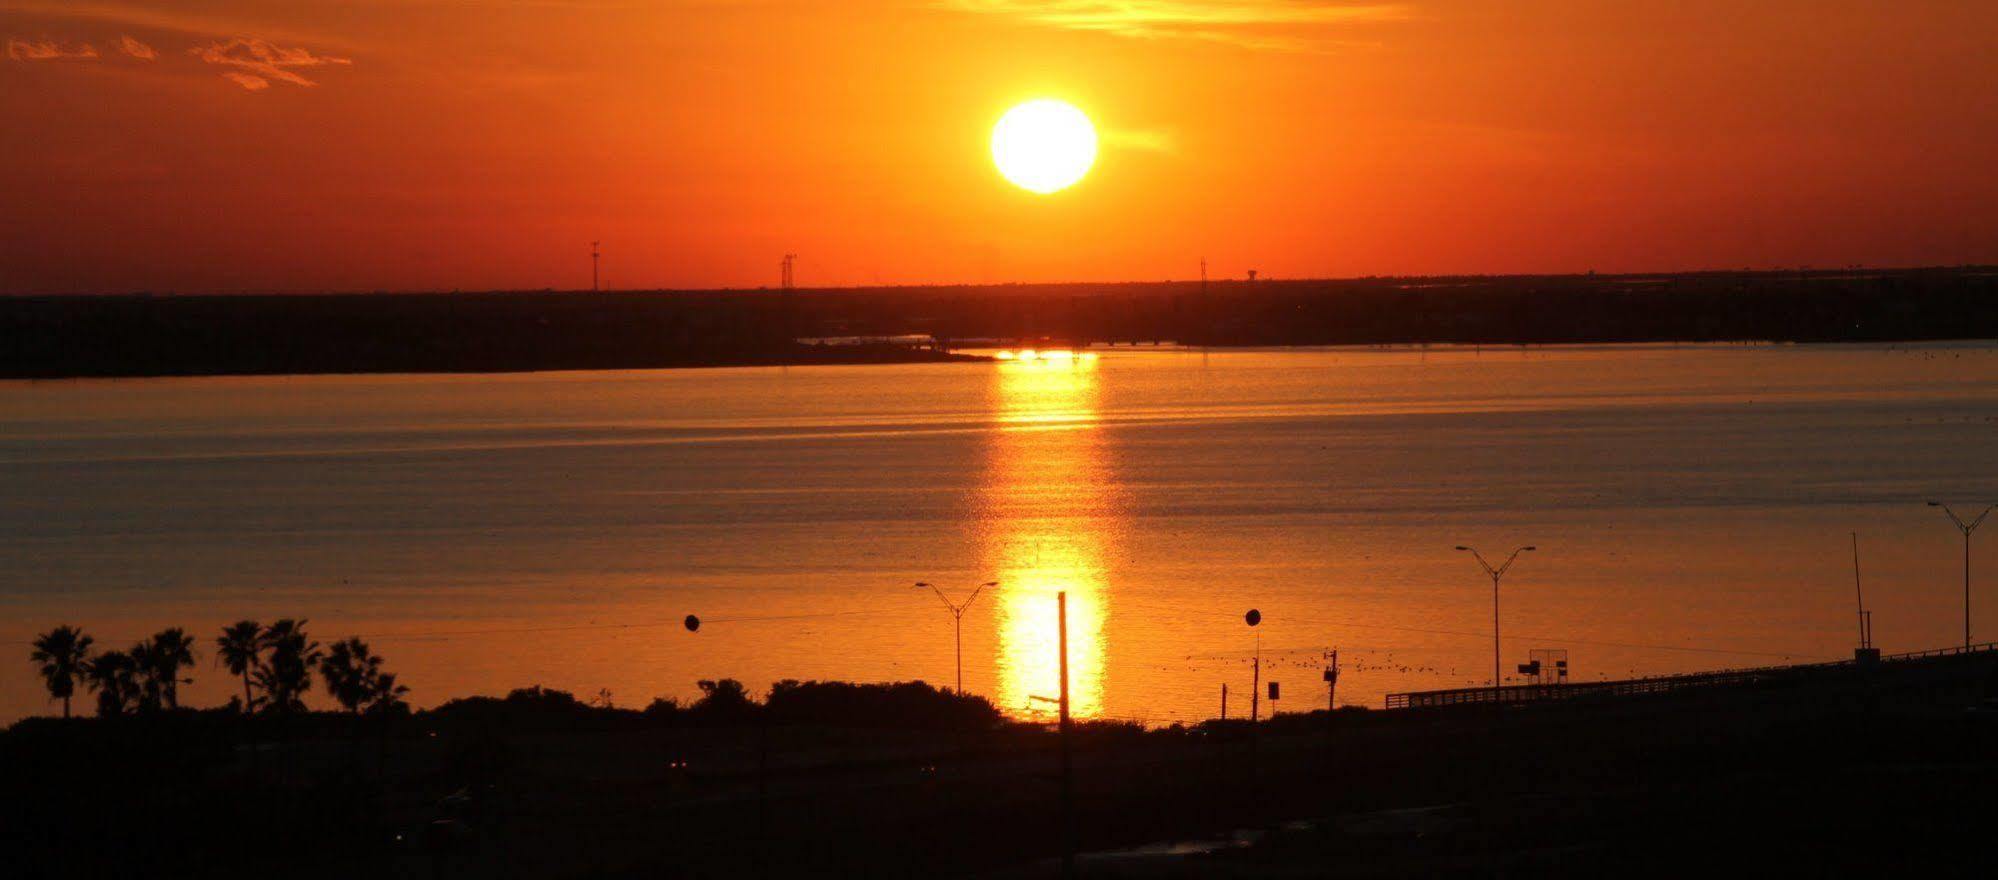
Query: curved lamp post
(1966,528)
(1496,573)
(957,621)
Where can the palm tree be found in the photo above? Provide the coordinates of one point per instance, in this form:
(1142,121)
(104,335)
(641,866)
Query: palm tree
(64,654)
(355,678)
(387,695)
(240,649)
(159,662)
(287,671)
(145,683)
(114,676)
(349,672)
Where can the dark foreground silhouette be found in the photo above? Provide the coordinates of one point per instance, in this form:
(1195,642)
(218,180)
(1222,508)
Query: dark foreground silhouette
(143,335)
(1880,770)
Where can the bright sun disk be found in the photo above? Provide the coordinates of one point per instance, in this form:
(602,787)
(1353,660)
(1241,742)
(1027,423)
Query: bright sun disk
(1044,145)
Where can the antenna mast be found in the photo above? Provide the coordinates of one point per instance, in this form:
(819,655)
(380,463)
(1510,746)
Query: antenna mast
(1865,619)
(593,267)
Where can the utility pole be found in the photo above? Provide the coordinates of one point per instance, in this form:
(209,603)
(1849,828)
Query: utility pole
(957,622)
(1067,759)
(1966,528)
(1256,683)
(1858,593)
(1224,701)
(593,267)
(1332,682)
(1498,679)
(1254,619)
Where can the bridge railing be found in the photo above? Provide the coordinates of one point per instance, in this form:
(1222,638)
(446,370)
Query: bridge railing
(1941,652)
(1533,693)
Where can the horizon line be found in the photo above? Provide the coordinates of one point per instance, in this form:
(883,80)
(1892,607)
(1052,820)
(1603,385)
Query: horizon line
(968,285)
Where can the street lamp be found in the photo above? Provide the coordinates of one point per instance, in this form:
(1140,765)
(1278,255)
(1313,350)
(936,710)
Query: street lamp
(1496,574)
(1254,619)
(957,621)
(1966,528)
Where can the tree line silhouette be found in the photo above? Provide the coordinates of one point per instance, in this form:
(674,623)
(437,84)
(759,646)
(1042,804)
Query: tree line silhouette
(145,335)
(276,664)
(723,703)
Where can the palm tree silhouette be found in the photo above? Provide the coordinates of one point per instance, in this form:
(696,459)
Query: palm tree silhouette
(348,671)
(64,654)
(355,678)
(287,671)
(114,676)
(240,649)
(387,694)
(158,664)
(146,685)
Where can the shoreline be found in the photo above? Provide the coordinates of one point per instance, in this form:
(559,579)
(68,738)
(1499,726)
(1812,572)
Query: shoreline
(961,356)
(864,357)
(132,335)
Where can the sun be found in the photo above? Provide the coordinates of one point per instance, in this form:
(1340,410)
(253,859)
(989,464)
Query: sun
(1044,145)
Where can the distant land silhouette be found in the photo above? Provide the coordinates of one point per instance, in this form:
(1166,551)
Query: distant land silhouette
(151,335)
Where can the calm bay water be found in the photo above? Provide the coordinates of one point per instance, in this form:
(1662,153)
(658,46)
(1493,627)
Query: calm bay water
(1692,507)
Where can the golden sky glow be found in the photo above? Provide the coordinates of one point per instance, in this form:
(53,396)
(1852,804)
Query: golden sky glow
(395,144)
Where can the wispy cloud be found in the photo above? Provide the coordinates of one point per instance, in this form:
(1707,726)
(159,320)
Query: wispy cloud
(136,49)
(258,63)
(247,81)
(49,50)
(1281,25)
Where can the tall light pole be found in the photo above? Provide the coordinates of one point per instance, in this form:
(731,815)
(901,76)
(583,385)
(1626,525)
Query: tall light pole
(1966,528)
(1496,574)
(1255,618)
(957,621)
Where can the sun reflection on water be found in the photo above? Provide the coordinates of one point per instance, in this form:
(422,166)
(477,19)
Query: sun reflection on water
(1048,522)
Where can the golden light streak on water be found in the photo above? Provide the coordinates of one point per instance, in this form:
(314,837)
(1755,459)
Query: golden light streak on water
(1049,522)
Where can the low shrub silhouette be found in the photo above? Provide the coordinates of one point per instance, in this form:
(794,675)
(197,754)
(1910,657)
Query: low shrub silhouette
(532,707)
(911,705)
(722,702)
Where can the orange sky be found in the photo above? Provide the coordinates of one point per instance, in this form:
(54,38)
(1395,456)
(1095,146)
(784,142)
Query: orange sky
(424,144)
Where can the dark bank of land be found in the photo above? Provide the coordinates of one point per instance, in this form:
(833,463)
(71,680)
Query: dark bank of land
(1881,770)
(144,335)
